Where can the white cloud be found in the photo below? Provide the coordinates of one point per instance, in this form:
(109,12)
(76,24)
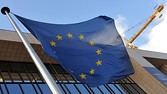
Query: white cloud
(104,37)
(157,38)
(121,25)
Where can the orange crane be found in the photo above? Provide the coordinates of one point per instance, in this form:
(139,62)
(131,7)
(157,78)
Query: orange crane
(159,9)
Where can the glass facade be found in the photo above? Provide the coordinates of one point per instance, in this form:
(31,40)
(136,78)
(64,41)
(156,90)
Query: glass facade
(24,78)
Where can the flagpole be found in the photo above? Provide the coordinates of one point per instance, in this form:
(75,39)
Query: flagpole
(41,67)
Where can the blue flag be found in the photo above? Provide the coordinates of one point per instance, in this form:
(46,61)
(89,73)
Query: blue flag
(91,51)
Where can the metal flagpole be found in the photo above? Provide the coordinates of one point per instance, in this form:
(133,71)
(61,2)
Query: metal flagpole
(45,73)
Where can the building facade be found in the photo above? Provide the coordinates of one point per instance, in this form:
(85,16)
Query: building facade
(19,75)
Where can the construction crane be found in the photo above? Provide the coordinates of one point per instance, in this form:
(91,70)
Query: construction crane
(159,9)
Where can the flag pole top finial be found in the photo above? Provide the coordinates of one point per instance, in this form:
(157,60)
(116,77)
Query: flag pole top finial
(5,9)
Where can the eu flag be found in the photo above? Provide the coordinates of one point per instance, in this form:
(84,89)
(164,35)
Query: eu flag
(92,51)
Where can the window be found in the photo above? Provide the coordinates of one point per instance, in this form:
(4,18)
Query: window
(19,78)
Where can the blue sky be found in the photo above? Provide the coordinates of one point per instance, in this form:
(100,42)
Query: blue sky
(127,13)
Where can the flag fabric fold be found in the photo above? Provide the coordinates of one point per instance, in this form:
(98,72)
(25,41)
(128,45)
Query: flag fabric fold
(91,51)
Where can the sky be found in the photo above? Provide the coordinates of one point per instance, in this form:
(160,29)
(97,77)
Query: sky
(129,16)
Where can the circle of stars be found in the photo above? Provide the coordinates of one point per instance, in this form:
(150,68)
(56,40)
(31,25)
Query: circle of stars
(91,43)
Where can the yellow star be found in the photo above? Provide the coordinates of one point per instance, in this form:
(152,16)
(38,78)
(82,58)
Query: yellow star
(83,76)
(91,42)
(92,71)
(52,43)
(99,62)
(59,37)
(81,37)
(98,51)
(70,35)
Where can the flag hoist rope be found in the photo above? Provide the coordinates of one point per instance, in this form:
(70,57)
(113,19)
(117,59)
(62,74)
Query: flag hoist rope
(41,67)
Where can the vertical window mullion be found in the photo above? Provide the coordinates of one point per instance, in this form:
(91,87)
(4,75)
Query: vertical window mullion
(21,89)
(109,89)
(100,90)
(53,72)
(132,86)
(137,85)
(34,79)
(66,80)
(19,77)
(9,72)
(29,78)
(70,82)
(10,77)
(89,90)
(1,89)
(4,83)
(62,81)
(130,79)
(56,75)
(77,88)
(118,88)
(125,87)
